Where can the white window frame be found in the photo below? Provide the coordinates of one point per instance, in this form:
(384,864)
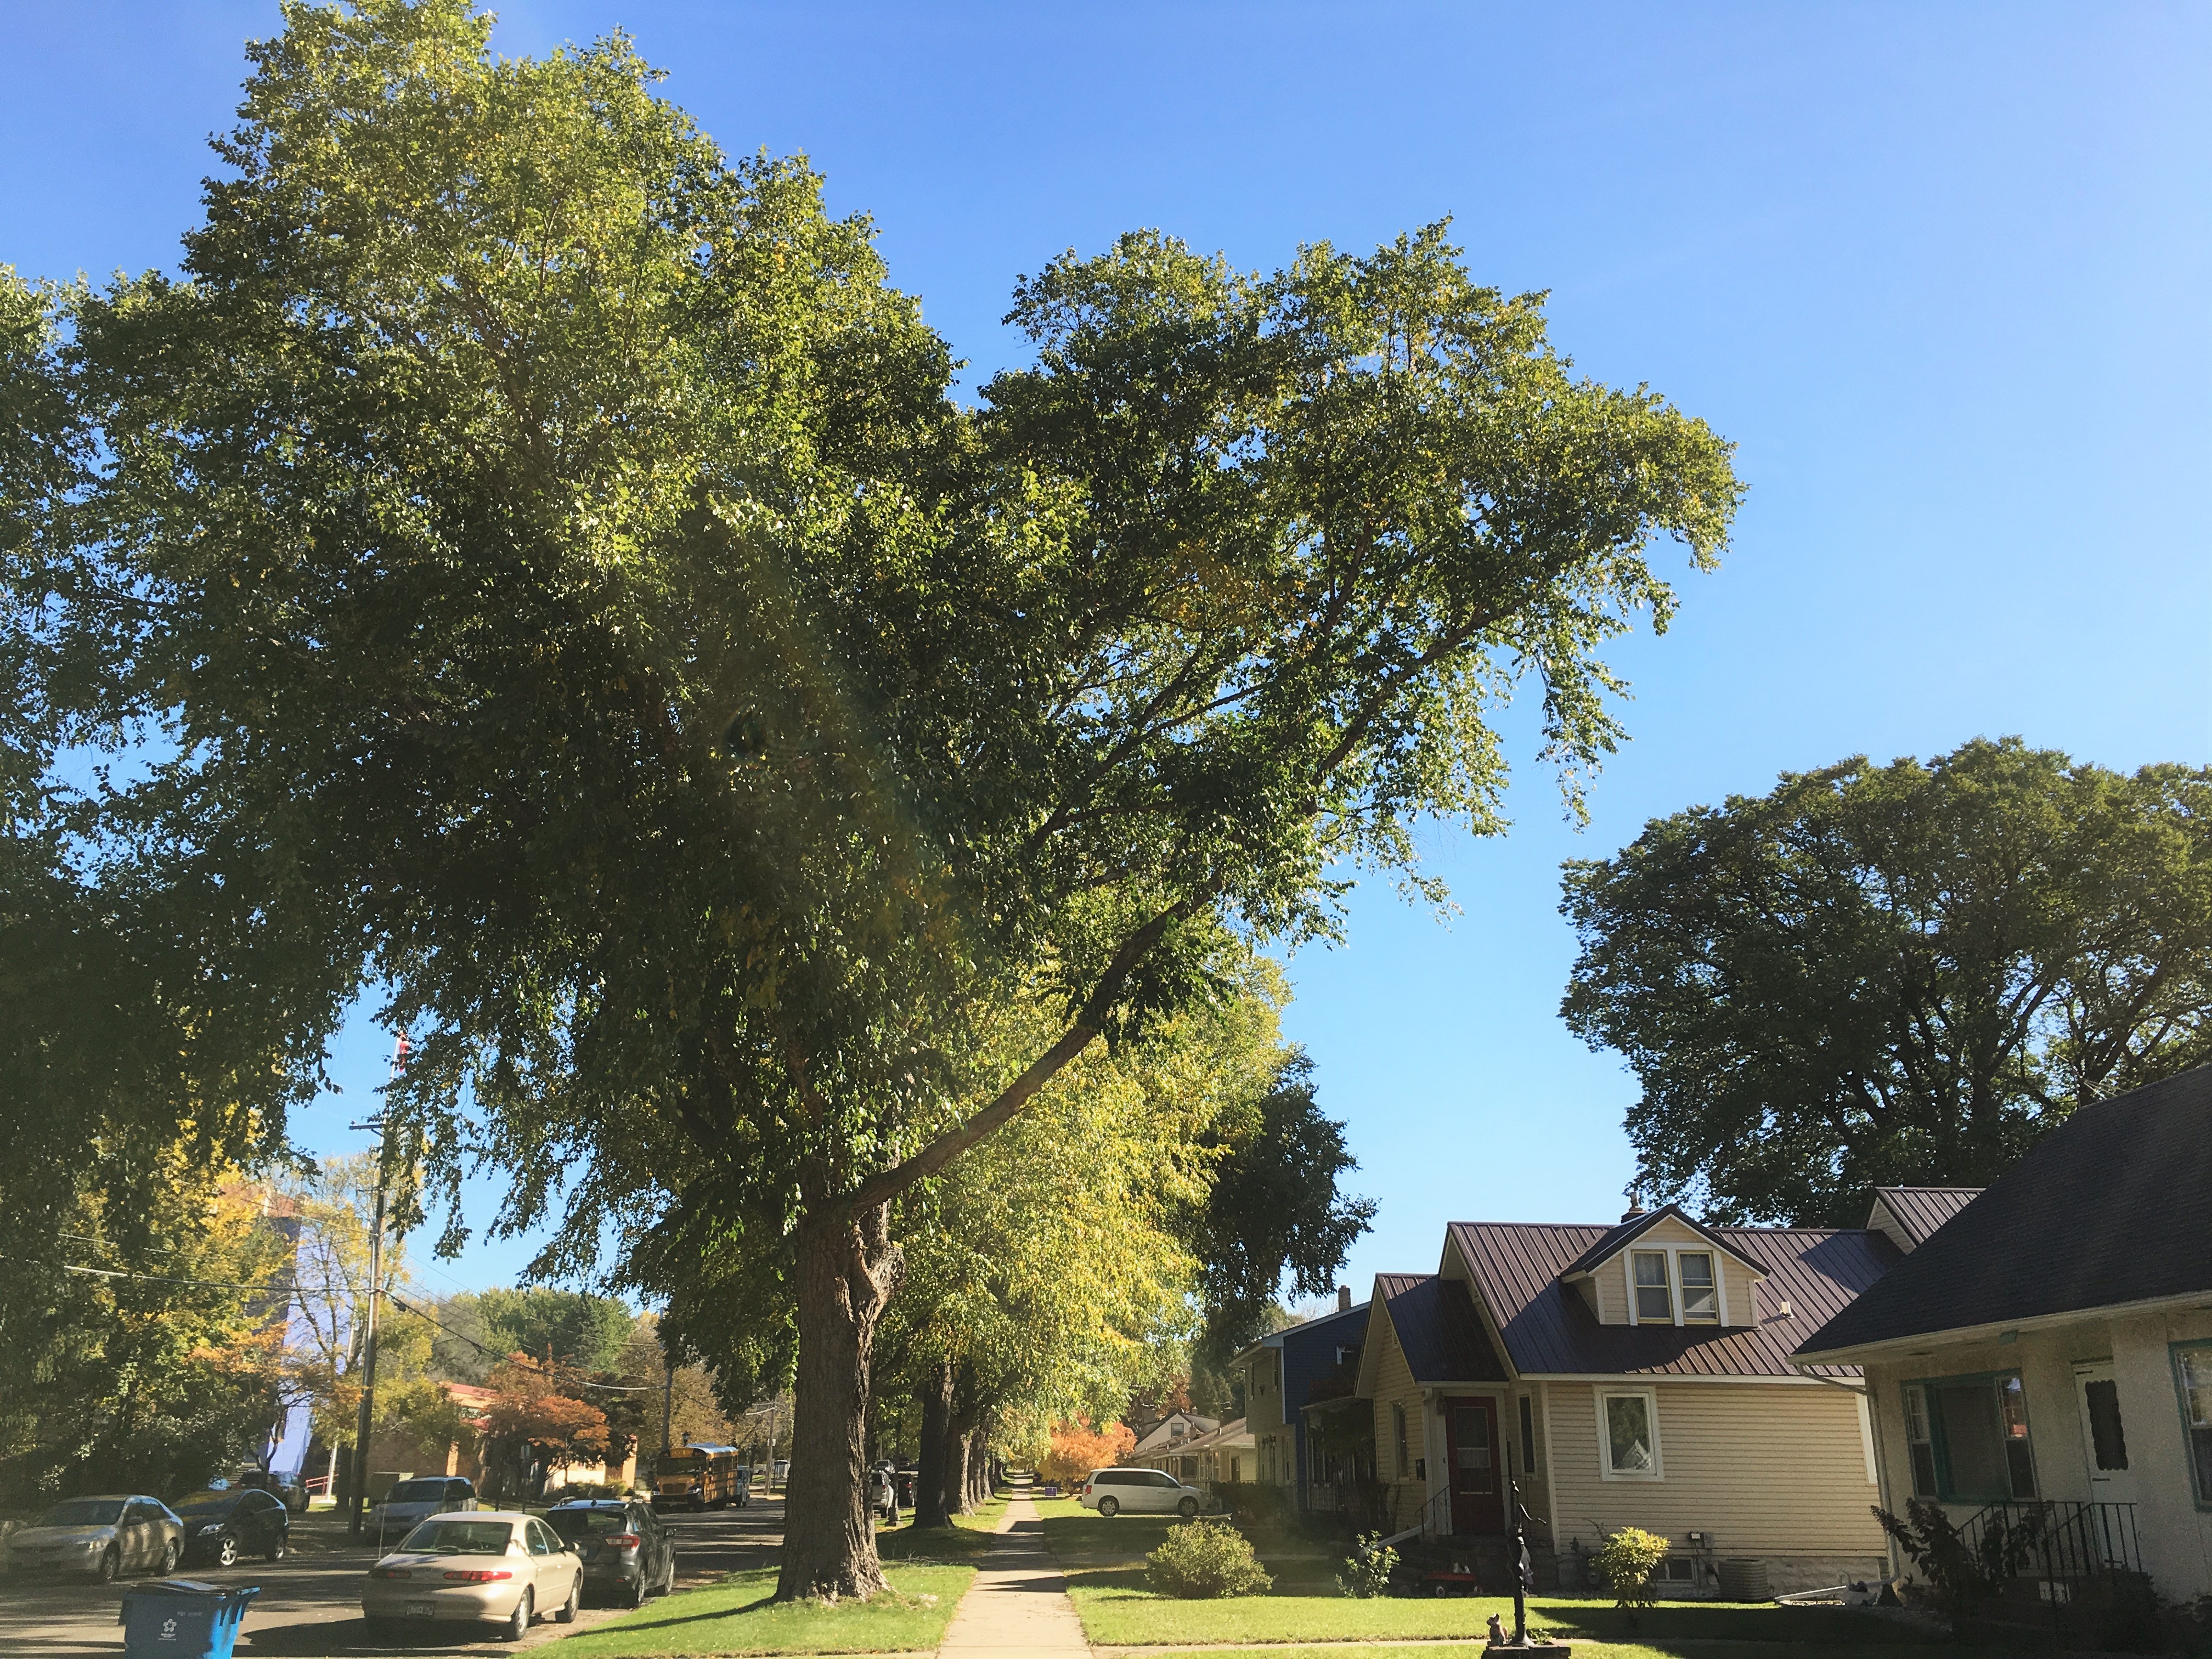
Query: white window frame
(1673,1253)
(1601,1392)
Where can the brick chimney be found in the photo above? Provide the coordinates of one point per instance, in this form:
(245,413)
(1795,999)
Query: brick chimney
(1344,1298)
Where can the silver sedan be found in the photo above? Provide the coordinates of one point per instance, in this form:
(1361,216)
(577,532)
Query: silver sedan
(104,1536)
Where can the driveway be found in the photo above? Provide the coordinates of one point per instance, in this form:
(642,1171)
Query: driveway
(309,1604)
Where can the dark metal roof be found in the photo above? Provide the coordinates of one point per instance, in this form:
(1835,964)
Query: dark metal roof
(1616,1239)
(1438,1329)
(1921,1210)
(2112,1206)
(1549,1330)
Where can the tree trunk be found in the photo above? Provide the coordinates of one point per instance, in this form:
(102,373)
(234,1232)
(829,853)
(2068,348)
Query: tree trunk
(846,1270)
(979,1470)
(930,1509)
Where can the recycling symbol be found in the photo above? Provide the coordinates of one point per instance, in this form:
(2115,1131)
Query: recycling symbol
(169,1629)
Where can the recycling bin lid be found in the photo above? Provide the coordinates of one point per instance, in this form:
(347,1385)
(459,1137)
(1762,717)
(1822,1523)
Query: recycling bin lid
(191,1587)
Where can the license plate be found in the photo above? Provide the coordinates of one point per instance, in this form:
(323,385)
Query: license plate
(422,1609)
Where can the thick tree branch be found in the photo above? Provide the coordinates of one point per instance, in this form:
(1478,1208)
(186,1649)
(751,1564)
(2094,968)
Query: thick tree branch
(881,1189)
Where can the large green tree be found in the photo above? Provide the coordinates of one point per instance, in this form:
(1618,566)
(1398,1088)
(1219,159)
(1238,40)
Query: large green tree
(1899,974)
(571,595)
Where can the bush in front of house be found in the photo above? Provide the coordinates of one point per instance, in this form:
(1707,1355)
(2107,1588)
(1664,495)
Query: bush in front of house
(1205,1558)
(1367,1571)
(1628,1559)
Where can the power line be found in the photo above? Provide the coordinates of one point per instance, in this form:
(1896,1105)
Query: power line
(610,1387)
(295,1290)
(207,1284)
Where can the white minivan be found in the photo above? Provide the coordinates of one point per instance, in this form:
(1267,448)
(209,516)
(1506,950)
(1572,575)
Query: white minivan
(1140,1492)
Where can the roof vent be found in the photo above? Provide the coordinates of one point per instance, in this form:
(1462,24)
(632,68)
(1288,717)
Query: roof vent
(1635,1205)
(1344,1298)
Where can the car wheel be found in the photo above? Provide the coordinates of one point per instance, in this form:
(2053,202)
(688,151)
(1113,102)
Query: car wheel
(567,1614)
(634,1591)
(1109,1507)
(170,1553)
(111,1563)
(1187,1508)
(518,1622)
(275,1550)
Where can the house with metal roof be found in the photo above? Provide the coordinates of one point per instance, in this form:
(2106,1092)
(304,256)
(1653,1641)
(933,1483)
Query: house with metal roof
(2047,1347)
(1280,1373)
(1640,1374)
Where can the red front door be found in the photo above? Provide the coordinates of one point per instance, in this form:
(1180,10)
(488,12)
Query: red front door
(1478,1503)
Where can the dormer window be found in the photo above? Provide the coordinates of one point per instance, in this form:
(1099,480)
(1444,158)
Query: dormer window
(1675,1286)
(1655,1297)
(1700,1302)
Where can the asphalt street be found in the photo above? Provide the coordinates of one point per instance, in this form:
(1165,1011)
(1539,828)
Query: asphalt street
(310,1602)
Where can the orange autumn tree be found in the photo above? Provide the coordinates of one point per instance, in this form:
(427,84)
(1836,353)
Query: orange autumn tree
(1078,1449)
(529,1410)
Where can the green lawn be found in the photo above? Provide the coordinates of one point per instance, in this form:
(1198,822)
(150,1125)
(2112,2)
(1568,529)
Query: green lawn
(1117,1610)
(968,1537)
(736,1617)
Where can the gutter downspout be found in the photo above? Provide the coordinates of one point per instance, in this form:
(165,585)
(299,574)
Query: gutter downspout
(1865,1390)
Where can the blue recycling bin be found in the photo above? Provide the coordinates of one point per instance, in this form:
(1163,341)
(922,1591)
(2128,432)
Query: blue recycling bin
(182,1618)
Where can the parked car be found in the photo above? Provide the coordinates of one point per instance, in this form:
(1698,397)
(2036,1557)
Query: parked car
(497,1566)
(103,1536)
(410,1501)
(629,1551)
(223,1523)
(289,1490)
(1140,1492)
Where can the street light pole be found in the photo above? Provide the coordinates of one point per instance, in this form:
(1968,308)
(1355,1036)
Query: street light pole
(1519,1548)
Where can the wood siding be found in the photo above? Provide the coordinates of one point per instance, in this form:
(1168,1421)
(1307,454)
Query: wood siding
(1765,1469)
(1611,1282)
(1394,1386)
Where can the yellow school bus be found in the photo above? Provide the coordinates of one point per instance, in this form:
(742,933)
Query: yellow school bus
(697,1478)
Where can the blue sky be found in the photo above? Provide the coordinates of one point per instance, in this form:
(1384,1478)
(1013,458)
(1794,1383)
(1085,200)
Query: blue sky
(1942,271)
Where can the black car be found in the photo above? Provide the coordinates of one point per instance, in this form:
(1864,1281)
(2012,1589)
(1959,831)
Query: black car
(627,1550)
(222,1524)
(287,1489)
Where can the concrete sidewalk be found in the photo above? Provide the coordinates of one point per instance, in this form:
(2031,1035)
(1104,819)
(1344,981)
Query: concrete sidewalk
(1018,1603)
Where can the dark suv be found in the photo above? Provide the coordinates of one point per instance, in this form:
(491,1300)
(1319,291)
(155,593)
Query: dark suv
(629,1550)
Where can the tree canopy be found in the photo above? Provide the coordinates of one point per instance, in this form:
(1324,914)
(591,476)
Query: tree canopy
(1899,973)
(570,596)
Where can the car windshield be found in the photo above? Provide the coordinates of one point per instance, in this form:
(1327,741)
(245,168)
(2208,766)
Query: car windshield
(578,1523)
(205,1503)
(84,1512)
(447,1537)
(417,1491)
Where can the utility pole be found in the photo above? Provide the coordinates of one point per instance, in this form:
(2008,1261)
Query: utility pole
(382,1124)
(368,1343)
(667,1400)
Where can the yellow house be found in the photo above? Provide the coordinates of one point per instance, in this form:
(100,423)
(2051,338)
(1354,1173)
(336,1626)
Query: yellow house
(1636,1375)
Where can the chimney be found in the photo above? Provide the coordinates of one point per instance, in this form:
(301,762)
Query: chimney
(1344,1298)
(1635,1205)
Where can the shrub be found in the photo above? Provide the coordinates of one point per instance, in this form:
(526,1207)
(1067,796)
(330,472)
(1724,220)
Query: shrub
(1367,1571)
(1628,1559)
(1205,1558)
(1958,1573)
